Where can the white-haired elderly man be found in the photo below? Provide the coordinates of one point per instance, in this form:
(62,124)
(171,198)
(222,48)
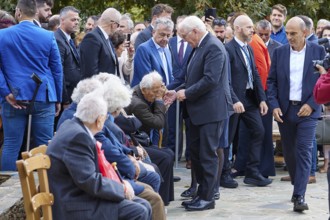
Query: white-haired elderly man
(75,171)
(208,101)
(97,53)
(83,88)
(148,106)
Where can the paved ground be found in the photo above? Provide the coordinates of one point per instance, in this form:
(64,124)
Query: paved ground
(254,203)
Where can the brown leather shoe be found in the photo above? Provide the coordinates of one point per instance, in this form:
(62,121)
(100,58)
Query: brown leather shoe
(286,178)
(311,179)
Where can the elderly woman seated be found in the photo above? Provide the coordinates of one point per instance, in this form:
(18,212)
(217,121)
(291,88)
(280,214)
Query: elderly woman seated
(80,190)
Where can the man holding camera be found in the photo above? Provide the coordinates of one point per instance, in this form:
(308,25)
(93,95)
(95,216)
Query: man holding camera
(290,92)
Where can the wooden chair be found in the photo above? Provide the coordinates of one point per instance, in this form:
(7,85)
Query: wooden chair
(36,198)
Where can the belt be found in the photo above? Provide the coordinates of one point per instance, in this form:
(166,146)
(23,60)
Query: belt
(295,102)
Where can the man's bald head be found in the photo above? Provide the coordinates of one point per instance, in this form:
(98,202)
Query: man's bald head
(298,22)
(243,28)
(296,33)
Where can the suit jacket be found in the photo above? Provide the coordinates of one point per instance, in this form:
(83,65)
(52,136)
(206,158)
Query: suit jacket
(147,59)
(143,36)
(279,78)
(80,190)
(272,45)
(313,38)
(239,73)
(178,73)
(70,64)
(151,115)
(97,55)
(207,87)
(26,49)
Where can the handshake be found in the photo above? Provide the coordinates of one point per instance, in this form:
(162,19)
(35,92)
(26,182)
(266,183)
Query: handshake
(171,95)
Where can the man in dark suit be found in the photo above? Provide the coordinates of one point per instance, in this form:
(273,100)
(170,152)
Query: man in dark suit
(264,30)
(97,53)
(69,18)
(207,95)
(74,177)
(290,93)
(248,98)
(310,36)
(158,11)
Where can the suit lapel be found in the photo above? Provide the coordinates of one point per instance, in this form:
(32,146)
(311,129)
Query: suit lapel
(68,44)
(239,53)
(174,48)
(286,64)
(308,54)
(156,54)
(107,43)
(169,63)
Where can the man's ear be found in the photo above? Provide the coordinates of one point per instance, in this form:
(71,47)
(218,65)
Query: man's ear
(144,91)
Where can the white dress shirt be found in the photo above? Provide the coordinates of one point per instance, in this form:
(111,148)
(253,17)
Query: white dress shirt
(297,60)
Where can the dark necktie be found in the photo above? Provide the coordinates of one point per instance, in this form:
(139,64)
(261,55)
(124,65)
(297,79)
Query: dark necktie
(181,52)
(74,49)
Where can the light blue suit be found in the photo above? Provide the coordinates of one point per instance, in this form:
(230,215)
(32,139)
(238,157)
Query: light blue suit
(27,49)
(147,59)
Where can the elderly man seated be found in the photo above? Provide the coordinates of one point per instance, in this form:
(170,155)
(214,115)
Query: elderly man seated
(148,106)
(80,190)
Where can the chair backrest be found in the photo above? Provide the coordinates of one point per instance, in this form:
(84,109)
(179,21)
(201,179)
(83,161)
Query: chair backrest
(36,199)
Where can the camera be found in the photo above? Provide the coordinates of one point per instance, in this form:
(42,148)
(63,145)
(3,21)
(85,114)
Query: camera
(325,42)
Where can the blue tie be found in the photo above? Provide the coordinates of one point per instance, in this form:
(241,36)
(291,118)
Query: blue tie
(164,61)
(74,49)
(248,65)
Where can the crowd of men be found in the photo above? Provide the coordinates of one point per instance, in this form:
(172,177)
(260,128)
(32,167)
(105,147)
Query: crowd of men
(232,77)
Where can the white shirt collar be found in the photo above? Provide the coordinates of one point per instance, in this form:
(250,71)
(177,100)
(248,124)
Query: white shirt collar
(240,42)
(68,37)
(297,52)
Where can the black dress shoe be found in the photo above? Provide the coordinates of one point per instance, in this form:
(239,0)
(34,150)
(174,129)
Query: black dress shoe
(299,204)
(216,196)
(176,178)
(189,202)
(201,205)
(257,180)
(227,181)
(191,192)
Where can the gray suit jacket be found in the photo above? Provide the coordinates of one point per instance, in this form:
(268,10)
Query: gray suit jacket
(272,45)
(79,189)
(207,87)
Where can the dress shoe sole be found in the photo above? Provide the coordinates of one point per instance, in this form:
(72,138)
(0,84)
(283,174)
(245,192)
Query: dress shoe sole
(252,181)
(300,208)
(211,206)
(229,185)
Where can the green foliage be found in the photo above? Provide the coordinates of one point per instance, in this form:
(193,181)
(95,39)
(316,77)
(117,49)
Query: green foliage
(8,5)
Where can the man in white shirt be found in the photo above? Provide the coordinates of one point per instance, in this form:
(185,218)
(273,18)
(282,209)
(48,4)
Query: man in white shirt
(290,93)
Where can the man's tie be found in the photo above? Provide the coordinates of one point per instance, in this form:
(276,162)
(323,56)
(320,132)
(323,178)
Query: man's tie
(74,49)
(164,61)
(180,57)
(248,65)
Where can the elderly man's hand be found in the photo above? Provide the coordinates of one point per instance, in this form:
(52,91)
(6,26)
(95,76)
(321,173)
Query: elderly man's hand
(169,97)
(128,189)
(181,95)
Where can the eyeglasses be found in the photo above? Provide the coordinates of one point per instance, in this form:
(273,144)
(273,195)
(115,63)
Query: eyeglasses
(115,23)
(219,22)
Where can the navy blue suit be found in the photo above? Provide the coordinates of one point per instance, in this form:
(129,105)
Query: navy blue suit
(143,36)
(147,59)
(297,133)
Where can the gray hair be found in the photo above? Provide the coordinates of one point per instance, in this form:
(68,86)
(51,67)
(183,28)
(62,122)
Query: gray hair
(116,95)
(130,23)
(323,21)
(149,80)
(91,107)
(109,15)
(83,88)
(191,22)
(264,24)
(164,21)
(104,77)
(64,11)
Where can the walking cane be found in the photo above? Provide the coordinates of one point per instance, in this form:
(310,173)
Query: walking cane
(38,81)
